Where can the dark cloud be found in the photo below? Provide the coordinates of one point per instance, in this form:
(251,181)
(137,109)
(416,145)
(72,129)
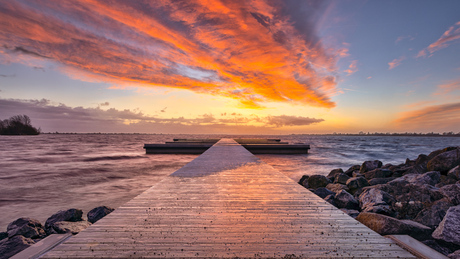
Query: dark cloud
(28,52)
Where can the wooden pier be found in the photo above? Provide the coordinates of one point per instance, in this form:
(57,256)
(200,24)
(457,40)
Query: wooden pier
(227,203)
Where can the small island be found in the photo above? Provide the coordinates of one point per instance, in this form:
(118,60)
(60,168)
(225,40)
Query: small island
(18,125)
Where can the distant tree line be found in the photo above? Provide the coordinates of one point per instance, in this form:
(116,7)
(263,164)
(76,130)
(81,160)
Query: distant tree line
(18,125)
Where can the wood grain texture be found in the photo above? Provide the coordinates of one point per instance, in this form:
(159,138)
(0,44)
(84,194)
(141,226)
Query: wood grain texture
(227,203)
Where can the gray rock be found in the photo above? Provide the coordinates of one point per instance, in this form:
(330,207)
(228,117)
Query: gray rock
(432,215)
(378,173)
(323,192)
(356,183)
(72,215)
(3,235)
(376,181)
(62,227)
(331,200)
(341,178)
(27,227)
(449,228)
(99,212)
(430,178)
(444,161)
(445,180)
(454,255)
(421,160)
(376,201)
(345,200)
(385,225)
(369,166)
(451,192)
(316,181)
(336,187)
(436,246)
(440,151)
(304,181)
(352,169)
(14,245)
(333,173)
(351,213)
(454,173)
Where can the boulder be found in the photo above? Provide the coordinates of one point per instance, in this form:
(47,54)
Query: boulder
(336,187)
(72,215)
(100,212)
(421,160)
(14,245)
(385,225)
(432,215)
(341,178)
(351,213)
(376,181)
(63,227)
(454,255)
(437,246)
(449,228)
(444,161)
(378,173)
(345,200)
(454,173)
(440,151)
(369,166)
(445,180)
(331,200)
(317,181)
(376,201)
(27,227)
(356,183)
(451,192)
(321,192)
(352,169)
(304,181)
(333,173)
(3,235)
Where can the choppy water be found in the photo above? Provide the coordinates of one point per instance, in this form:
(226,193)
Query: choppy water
(40,175)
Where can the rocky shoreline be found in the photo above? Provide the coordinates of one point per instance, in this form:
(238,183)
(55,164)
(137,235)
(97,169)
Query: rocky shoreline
(24,232)
(420,198)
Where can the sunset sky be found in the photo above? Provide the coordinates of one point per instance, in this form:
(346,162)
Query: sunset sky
(231,67)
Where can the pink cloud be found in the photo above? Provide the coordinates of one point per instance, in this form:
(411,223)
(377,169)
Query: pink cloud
(352,68)
(396,62)
(448,87)
(448,37)
(435,117)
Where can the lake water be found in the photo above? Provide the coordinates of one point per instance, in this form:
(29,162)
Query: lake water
(40,175)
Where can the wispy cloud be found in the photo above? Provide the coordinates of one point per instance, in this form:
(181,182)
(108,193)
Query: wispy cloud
(352,68)
(271,49)
(396,62)
(448,87)
(448,37)
(60,117)
(435,117)
(401,38)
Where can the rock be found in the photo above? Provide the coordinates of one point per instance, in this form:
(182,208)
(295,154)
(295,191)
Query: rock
(444,161)
(345,200)
(336,187)
(454,255)
(62,227)
(27,227)
(341,178)
(304,181)
(436,246)
(376,201)
(451,192)
(454,173)
(369,166)
(316,181)
(385,225)
(433,214)
(331,200)
(72,215)
(351,213)
(333,173)
(376,181)
(352,169)
(421,160)
(323,192)
(14,245)
(440,151)
(378,173)
(356,183)
(357,174)
(100,212)
(449,228)
(445,180)
(3,235)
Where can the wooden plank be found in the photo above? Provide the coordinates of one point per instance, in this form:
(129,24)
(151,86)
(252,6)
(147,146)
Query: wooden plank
(227,203)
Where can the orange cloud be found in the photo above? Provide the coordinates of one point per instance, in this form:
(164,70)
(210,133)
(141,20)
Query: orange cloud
(213,47)
(352,68)
(435,117)
(452,34)
(448,87)
(396,62)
